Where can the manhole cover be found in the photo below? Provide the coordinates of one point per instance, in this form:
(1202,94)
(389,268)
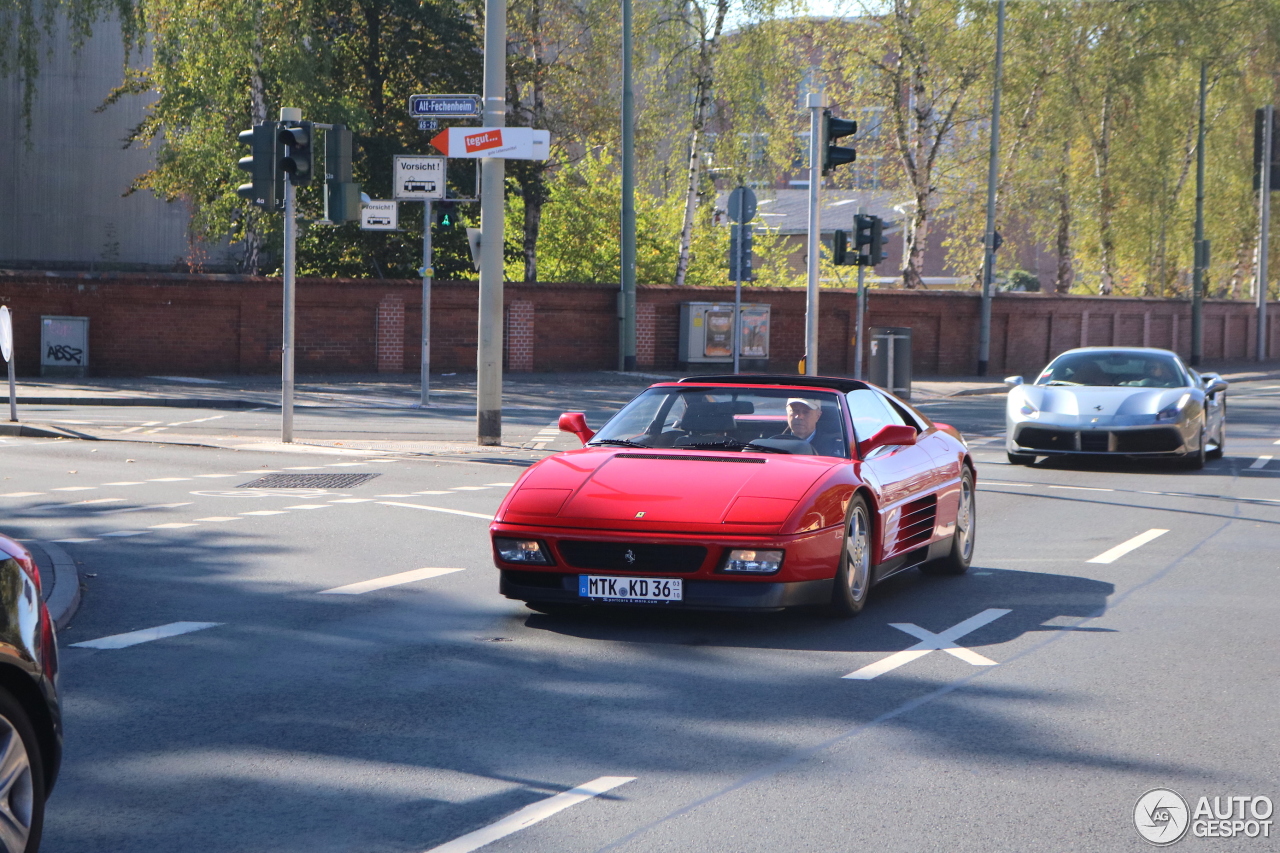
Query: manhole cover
(308,481)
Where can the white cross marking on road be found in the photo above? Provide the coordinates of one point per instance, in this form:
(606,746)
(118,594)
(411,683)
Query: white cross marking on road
(931,642)
(1261,461)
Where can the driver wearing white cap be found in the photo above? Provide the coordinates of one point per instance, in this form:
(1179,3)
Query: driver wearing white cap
(802,420)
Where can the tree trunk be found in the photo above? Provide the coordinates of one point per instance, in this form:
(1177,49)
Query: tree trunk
(1106,199)
(1065,273)
(374,75)
(690,206)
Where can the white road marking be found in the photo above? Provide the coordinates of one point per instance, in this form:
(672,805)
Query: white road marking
(468,488)
(930,642)
(1260,462)
(150,423)
(154,431)
(499,484)
(346,464)
(212,476)
(266,512)
(168,479)
(73,489)
(539,445)
(130,429)
(304,468)
(389,580)
(97,501)
(197,420)
(263,471)
(426,492)
(351,501)
(1083,488)
(220,518)
(20,494)
(123,533)
(1277,441)
(146,635)
(398,496)
(308,506)
(74,541)
(172,525)
(127,483)
(439,509)
(531,814)
(1113,554)
(141,508)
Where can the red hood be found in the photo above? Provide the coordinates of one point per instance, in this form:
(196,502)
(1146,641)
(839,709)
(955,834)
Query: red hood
(663,490)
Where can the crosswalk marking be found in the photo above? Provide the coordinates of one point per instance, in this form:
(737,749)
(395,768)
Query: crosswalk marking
(1113,554)
(1260,462)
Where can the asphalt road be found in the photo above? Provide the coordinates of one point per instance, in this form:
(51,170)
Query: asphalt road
(409,716)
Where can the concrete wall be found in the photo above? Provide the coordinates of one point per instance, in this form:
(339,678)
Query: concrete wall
(62,187)
(144,324)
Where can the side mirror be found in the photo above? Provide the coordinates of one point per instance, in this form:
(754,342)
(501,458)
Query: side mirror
(888,436)
(1216,385)
(576,423)
(1013,381)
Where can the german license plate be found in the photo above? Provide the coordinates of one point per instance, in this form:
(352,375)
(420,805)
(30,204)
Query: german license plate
(630,589)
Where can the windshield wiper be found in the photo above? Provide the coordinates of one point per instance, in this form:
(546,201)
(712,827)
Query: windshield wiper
(617,442)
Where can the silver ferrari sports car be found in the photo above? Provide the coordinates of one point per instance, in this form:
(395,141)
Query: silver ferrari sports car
(1119,401)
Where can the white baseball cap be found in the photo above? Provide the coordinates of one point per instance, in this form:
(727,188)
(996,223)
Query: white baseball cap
(812,404)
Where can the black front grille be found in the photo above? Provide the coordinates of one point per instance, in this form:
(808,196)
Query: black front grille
(1040,438)
(1158,440)
(1093,441)
(632,557)
(541,580)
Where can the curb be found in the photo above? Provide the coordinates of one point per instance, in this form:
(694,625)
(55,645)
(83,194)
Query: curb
(64,596)
(32,431)
(154,402)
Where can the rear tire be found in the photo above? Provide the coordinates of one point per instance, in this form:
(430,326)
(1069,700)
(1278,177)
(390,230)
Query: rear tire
(853,578)
(961,554)
(1219,446)
(22,788)
(1195,461)
(1021,458)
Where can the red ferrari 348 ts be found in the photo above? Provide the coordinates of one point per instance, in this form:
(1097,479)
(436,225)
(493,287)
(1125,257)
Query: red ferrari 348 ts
(739,492)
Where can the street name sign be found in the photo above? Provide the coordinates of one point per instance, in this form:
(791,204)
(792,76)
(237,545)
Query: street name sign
(379,215)
(504,143)
(417,177)
(445,106)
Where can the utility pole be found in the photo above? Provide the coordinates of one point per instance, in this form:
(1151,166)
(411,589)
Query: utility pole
(993,177)
(290,264)
(427,273)
(1264,225)
(627,297)
(1199,253)
(492,172)
(816,102)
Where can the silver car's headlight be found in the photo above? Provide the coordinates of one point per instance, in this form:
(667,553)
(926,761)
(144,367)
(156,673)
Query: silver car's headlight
(1172,413)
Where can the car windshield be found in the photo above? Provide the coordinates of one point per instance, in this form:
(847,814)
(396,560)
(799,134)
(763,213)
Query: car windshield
(751,420)
(1130,369)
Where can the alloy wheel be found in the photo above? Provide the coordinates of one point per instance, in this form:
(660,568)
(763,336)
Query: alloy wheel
(17,792)
(857,547)
(964,520)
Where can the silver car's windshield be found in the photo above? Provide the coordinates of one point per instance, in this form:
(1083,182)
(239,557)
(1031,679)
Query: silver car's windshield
(751,420)
(1131,369)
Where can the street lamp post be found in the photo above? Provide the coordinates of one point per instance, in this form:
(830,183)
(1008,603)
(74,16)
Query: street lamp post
(993,175)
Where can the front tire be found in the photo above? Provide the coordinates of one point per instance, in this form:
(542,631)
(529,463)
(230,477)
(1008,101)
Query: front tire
(853,578)
(961,555)
(21,780)
(1195,461)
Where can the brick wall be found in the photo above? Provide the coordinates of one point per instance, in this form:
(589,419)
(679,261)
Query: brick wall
(144,324)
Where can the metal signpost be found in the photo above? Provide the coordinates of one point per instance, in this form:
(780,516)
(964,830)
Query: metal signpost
(742,209)
(290,291)
(492,223)
(817,102)
(6,350)
(862,313)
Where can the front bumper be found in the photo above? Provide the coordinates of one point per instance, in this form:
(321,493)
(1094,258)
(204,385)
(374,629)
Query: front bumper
(1047,439)
(562,588)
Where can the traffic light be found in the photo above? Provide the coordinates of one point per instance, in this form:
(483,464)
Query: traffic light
(741,237)
(446,214)
(869,239)
(341,195)
(833,129)
(296,136)
(840,250)
(264,189)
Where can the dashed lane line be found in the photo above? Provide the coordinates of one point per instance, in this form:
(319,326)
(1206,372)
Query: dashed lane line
(266,512)
(127,483)
(351,501)
(310,506)
(21,494)
(220,518)
(531,814)
(120,534)
(439,509)
(388,581)
(74,489)
(172,525)
(1260,462)
(146,635)
(1113,554)
(468,488)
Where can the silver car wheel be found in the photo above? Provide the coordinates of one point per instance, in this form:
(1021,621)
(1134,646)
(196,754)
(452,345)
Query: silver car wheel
(857,546)
(17,792)
(965,519)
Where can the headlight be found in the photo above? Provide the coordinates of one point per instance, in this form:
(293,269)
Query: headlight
(1172,413)
(523,551)
(753,562)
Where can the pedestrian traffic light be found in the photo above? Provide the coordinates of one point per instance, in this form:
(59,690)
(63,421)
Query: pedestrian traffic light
(447,214)
(341,194)
(833,129)
(296,161)
(869,239)
(263,190)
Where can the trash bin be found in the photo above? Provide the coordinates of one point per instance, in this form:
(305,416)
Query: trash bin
(891,359)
